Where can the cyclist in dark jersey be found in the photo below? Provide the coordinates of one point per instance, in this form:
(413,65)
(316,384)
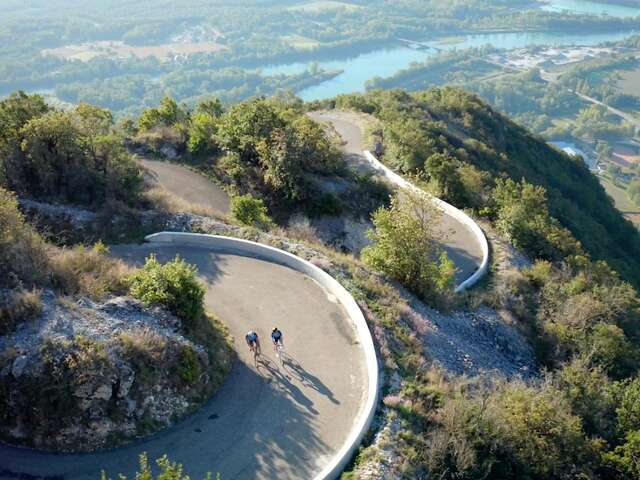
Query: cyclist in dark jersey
(252,340)
(276,337)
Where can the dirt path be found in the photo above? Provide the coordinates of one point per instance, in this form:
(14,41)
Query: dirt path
(270,421)
(459,242)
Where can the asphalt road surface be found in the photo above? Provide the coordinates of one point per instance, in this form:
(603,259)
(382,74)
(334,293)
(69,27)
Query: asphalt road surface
(268,420)
(187,185)
(459,242)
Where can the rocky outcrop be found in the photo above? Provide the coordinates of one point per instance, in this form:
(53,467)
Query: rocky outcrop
(87,375)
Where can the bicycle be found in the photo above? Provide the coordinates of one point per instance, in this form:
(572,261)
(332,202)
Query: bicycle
(255,349)
(279,349)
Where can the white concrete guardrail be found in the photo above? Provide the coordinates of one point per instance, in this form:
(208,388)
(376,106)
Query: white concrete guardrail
(447,209)
(332,286)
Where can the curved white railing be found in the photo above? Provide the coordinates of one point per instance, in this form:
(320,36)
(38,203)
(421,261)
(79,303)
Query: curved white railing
(248,248)
(447,209)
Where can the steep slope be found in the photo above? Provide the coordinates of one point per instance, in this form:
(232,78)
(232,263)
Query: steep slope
(469,132)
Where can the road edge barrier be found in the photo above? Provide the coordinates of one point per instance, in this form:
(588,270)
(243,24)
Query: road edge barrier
(248,248)
(448,209)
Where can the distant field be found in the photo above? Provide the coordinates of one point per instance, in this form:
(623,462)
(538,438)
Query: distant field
(626,155)
(453,40)
(323,6)
(301,43)
(622,201)
(630,82)
(116,49)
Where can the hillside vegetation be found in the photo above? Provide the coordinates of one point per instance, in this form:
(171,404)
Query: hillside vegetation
(464,149)
(574,301)
(64,383)
(266,148)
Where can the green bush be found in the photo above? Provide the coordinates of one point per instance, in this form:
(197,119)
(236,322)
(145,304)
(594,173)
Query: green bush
(166,115)
(405,247)
(168,470)
(522,215)
(173,285)
(202,129)
(250,211)
(625,459)
(189,367)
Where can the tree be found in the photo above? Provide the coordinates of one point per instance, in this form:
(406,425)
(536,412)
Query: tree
(281,164)
(202,132)
(629,407)
(247,124)
(15,112)
(408,147)
(625,459)
(167,114)
(442,171)
(404,246)
(523,217)
(212,106)
(56,160)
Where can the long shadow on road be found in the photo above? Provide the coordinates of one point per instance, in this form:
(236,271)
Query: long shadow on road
(256,426)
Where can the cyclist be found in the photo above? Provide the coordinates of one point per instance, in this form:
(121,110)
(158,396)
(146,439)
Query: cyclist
(276,337)
(252,340)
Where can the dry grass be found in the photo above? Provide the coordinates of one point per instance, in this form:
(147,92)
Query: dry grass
(23,255)
(161,198)
(300,228)
(84,271)
(17,306)
(159,136)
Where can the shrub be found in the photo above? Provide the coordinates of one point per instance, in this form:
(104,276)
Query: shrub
(523,217)
(166,115)
(189,367)
(173,285)
(404,247)
(23,253)
(625,459)
(17,306)
(629,407)
(201,134)
(536,429)
(167,471)
(250,211)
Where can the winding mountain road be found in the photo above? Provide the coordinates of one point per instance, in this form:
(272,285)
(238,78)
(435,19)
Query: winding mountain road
(186,184)
(459,241)
(268,420)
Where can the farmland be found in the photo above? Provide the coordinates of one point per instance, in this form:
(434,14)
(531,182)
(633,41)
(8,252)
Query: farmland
(85,52)
(622,201)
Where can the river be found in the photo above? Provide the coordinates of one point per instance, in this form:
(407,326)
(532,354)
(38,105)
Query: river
(385,62)
(590,8)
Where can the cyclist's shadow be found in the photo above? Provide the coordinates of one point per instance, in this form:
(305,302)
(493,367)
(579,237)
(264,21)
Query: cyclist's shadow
(286,383)
(291,365)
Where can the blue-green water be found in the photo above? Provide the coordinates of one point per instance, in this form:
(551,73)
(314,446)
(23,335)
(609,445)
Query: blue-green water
(386,62)
(591,8)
